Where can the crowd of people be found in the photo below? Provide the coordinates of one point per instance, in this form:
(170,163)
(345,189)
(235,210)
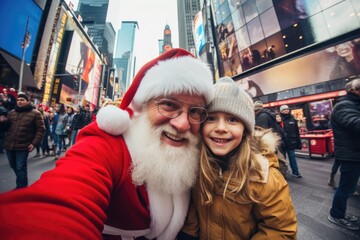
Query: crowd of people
(25,126)
(177,158)
(345,124)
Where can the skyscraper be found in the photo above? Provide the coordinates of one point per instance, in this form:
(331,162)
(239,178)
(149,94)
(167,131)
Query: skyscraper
(166,43)
(124,55)
(93,13)
(160,44)
(187,9)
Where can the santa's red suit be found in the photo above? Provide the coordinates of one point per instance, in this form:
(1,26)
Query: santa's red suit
(90,186)
(91,190)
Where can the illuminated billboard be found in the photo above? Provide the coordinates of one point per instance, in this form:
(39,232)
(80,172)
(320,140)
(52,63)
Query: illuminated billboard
(83,61)
(338,62)
(251,33)
(199,32)
(13,20)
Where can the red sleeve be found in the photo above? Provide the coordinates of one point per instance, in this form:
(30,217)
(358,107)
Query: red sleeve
(68,202)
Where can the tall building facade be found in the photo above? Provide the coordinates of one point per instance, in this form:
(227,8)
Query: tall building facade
(69,65)
(124,57)
(93,14)
(166,43)
(298,53)
(160,44)
(187,9)
(93,17)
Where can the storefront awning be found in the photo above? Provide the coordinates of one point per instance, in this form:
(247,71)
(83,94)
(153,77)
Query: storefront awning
(14,63)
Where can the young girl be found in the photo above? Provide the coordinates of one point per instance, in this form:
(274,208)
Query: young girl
(240,193)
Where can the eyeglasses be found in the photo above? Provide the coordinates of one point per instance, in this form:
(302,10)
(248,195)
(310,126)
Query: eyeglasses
(172,109)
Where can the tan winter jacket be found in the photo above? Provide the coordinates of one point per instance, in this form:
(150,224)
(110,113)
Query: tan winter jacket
(26,127)
(272,218)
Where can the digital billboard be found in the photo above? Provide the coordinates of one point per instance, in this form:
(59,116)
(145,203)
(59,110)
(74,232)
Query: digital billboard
(49,85)
(337,62)
(251,33)
(199,32)
(83,61)
(13,19)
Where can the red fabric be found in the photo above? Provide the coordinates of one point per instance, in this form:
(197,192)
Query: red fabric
(93,117)
(130,93)
(91,185)
(41,106)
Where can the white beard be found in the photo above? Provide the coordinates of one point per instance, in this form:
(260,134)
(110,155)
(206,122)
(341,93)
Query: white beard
(159,166)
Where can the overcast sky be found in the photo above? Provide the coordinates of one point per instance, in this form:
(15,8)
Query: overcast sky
(152,16)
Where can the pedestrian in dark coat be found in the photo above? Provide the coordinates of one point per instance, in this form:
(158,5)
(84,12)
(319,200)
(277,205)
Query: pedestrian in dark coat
(88,115)
(45,141)
(26,130)
(266,118)
(77,123)
(9,100)
(292,140)
(345,122)
(280,124)
(3,128)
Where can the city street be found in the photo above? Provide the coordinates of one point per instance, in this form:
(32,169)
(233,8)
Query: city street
(311,195)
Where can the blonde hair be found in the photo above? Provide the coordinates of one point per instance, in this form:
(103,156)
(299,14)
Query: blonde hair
(240,167)
(116,102)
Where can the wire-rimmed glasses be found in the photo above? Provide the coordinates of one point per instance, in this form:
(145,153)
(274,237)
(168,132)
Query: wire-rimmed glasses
(173,108)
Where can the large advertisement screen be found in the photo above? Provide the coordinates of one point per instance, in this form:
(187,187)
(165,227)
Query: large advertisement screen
(49,88)
(13,19)
(85,67)
(339,61)
(251,33)
(199,32)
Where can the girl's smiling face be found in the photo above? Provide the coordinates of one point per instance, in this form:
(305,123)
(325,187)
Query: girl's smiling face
(222,132)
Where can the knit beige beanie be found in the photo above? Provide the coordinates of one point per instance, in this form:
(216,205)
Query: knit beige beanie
(258,105)
(230,98)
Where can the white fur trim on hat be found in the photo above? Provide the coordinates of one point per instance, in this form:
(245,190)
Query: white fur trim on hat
(174,76)
(113,120)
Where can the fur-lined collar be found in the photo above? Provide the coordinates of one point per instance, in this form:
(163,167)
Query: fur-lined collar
(266,142)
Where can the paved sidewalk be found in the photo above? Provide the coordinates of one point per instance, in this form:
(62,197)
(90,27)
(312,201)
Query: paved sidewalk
(311,195)
(312,199)
(36,166)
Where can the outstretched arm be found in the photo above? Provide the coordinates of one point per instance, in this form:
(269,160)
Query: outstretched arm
(68,202)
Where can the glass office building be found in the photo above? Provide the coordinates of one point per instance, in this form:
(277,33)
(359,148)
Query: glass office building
(93,13)
(187,9)
(124,56)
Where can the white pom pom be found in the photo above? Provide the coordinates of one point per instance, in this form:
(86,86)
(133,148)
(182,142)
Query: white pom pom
(113,120)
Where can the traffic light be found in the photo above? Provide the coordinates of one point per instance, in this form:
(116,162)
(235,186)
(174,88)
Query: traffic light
(76,82)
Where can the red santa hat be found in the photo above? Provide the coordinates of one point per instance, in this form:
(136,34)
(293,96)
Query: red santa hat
(174,72)
(41,106)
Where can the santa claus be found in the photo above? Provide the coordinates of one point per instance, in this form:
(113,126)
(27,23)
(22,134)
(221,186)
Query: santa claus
(129,173)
